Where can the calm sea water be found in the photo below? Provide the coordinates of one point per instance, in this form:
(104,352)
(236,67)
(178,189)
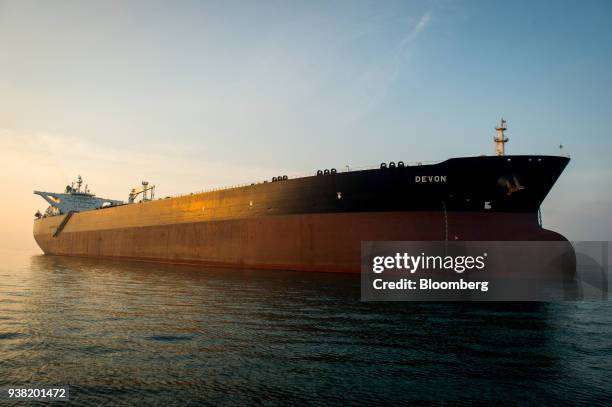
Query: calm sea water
(124,333)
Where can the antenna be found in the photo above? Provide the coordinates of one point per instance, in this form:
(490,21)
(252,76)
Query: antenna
(79,183)
(500,139)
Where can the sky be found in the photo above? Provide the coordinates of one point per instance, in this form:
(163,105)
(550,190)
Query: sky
(194,95)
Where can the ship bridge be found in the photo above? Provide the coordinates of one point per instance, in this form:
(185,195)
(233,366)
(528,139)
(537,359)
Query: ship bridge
(74,199)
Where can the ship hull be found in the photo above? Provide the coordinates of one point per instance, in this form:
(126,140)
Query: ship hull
(317,223)
(314,242)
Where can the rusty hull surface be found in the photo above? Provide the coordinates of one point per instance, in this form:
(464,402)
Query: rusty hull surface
(180,231)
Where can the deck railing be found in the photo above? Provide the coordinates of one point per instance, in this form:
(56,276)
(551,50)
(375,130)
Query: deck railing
(297,175)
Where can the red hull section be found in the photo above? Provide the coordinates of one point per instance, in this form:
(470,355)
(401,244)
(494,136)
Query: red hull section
(309,242)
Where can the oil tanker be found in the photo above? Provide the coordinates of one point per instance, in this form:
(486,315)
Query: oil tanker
(312,223)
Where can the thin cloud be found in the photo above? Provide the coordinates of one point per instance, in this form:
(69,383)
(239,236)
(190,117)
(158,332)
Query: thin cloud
(373,85)
(423,22)
(414,32)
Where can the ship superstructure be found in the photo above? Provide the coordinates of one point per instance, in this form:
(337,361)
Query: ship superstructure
(73,199)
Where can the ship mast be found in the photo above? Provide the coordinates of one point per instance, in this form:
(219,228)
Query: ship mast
(500,139)
(79,183)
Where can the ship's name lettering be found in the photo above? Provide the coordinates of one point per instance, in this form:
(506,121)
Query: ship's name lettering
(430,178)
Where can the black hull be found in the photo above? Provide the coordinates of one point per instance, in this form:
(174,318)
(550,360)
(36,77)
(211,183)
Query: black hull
(515,184)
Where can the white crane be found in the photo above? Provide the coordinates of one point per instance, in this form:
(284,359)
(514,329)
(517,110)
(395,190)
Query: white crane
(142,190)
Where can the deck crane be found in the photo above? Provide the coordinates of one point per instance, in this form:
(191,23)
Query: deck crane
(142,190)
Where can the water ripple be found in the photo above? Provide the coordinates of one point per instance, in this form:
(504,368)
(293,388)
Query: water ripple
(132,333)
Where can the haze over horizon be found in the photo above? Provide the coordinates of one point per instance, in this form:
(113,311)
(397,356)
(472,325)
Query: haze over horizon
(192,95)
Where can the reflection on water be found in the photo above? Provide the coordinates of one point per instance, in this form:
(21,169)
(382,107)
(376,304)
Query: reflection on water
(127,333)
